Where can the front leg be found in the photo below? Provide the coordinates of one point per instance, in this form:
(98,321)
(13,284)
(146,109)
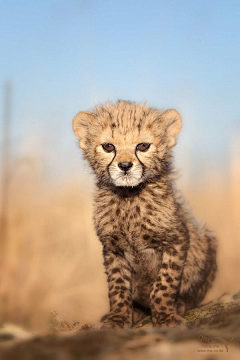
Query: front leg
(166,286)
(119,290)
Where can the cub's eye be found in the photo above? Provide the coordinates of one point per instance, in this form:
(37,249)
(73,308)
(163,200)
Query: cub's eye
(143,147)
(108,147)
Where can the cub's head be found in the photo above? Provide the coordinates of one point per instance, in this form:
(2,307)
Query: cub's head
(126,143)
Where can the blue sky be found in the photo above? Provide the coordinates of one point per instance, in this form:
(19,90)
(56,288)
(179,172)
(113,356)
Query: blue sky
(66,56)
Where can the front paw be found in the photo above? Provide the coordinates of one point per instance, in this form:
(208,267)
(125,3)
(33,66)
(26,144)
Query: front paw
(113,321)
(171,320)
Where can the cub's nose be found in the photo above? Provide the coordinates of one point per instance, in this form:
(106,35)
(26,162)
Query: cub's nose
(125,165)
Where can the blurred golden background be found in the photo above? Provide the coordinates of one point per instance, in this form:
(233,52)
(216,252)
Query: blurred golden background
(63,57)
(53,259)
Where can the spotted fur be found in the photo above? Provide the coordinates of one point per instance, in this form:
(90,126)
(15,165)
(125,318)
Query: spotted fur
(157,257)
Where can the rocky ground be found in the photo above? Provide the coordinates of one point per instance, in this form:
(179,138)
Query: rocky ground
(213,333)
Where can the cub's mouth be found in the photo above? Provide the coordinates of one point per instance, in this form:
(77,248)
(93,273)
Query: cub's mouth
(126,178)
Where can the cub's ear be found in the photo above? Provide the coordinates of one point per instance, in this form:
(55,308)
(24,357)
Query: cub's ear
(81,124)
(173,123)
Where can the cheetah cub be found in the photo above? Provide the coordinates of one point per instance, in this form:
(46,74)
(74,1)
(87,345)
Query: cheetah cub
(158,259)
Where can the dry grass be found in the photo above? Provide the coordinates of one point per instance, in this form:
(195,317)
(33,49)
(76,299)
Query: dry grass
(53,260)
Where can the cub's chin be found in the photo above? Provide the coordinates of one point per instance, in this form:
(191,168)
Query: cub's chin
(126,181)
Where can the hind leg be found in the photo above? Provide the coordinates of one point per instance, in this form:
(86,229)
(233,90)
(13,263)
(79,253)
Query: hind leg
(193,296)
(184,303)
(199,272)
